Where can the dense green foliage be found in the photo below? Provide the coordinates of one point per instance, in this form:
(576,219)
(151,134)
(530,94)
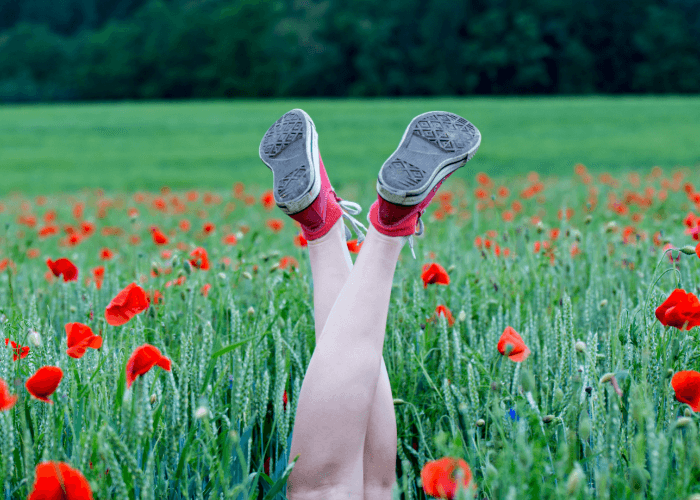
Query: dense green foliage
(130,146)
(144,49)
(553,427)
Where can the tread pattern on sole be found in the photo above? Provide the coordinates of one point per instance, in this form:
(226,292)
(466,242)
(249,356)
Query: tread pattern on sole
(291,180)
(441,129)
(285,131)
(405,174)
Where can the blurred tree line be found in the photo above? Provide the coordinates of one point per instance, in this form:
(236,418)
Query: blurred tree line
(144,49)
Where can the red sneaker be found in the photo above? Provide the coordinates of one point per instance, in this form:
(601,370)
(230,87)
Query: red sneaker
(301,187)
(434,145)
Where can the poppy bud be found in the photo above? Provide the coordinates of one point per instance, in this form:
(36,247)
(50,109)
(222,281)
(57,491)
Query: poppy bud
(575,478)
(638,479)
(548,419)
(669,373)
(480,422)
(187,266)
(151,312)
(603,303)
(251,311)
(453,267)
(399,402)
(247,275)
(154,269)
(683,421)
(606,378)
(588,219)
(688,250)
(581,346)
(687,412)
(540,227)
(675,348)
(584,426)
(274,268)
(527,380)
(35,339)
(153,398)
(462,316)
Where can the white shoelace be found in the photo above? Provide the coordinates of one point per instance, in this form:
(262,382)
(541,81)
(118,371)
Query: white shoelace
(349,207)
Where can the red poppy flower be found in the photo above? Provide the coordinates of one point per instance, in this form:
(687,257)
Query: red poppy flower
(20,352)
(154,297)
(300,241)
(106,254)
(205,289)
(208,227)
(519,351)
(199,259)
(142,360)
(287,261)
(44,382)
(275,225)
(353,246)
(230,239)
(87,228)
(80,337)
(7,400)
(57,480)
(434,273)
(439,477)
(443,310)
(63,267)
(284,400)
(47,231)
(158,237)
(687,387)
(179,281)
(98,274)
(680,310)
(268,200)
(128,303)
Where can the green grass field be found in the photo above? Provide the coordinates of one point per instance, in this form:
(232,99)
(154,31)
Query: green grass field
(127,146)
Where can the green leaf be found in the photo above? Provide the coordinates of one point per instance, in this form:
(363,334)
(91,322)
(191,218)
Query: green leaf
(281,481)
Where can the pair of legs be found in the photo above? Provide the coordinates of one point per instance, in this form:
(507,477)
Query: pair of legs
(345,426)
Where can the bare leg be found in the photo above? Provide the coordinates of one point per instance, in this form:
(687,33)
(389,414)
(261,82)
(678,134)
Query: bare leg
(342,381)
(330,266)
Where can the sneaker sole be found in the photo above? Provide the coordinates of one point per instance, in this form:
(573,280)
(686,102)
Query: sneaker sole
(434,145)
(290,149)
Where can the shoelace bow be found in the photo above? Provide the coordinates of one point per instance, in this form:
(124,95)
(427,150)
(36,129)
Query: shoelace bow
(349,207)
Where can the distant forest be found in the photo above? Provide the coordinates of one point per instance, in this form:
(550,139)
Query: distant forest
(151,49)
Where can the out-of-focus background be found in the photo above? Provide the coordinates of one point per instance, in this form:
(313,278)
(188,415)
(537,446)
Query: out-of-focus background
(613,85)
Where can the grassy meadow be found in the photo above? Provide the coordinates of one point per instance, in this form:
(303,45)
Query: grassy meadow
(125,146)
(576,259)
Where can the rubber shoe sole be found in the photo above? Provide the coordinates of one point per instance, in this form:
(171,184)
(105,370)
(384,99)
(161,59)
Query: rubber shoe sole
(290,149)
(434,145)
